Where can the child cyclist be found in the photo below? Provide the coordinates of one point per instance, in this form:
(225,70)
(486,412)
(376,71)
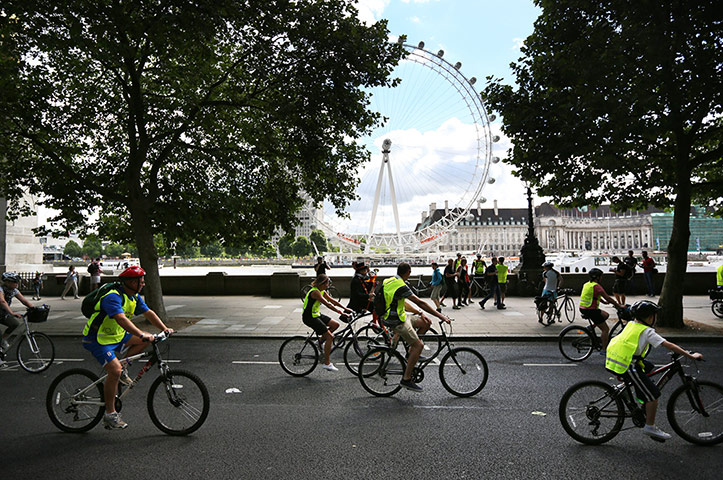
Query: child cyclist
(322,324)
(626,358)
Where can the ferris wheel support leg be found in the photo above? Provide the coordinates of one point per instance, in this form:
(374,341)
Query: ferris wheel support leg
(376,195)
(394,204)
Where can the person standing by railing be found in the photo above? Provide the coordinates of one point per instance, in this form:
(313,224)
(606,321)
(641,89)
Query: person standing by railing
(648,272)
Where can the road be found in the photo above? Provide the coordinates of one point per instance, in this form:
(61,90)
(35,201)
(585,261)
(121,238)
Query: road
(266,424)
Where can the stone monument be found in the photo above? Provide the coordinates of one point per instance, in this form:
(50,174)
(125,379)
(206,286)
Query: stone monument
(20,249)
(532,255)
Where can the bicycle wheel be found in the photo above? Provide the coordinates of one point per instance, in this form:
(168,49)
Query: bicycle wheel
(356,349)
(591,412)
(463,372)
(36,352)
(717,308)
(73,403)
(298,357)
(576,343)
(380,371)
(181,405)
(304,290)
(696,412)
(334,293)
(432,345)
(569,308)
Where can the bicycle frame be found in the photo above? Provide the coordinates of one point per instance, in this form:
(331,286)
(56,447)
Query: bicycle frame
(16,337)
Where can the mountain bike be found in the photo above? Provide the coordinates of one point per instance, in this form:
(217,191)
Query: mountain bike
(716,295)
(35,352)
(178,400)
(462,370)
(299,355)
(331,290)
(593,412)
(577,343)
(550,308)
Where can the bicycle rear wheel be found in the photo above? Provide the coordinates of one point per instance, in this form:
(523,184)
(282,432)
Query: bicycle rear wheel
(717,308)
(591,412)
(432,345)
(380,371)
(463,372)
(334,293)
(356,349)
(298,357)
(74,405)
(569,309)
(180,405)
(696,412)
(576,343)
(304,290)
(36,352)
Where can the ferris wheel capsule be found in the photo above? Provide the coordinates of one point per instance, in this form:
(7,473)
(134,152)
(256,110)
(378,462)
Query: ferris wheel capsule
(496,138)
(491,180)
(495,159)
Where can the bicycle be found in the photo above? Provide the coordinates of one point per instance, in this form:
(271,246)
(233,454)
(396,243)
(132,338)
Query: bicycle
(550,308)
(593,412)
(478,287)
(462,371)
(716,295)
(177,401)
(299,355)
(331,290)
(577,343)
(419,287)
(35,351)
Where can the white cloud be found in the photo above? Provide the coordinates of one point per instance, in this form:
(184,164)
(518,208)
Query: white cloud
(370,11)
(517,43)
(415,19)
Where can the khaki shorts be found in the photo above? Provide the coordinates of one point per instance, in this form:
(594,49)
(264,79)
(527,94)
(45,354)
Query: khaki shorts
(436,291)
(407,329)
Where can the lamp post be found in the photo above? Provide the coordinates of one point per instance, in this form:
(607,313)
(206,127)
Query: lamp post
(532,254)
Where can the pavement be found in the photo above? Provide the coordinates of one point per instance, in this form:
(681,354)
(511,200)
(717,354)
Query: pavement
(265,317)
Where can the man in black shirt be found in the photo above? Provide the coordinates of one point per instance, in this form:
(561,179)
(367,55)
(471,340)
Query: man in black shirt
(491,276)
(450,278)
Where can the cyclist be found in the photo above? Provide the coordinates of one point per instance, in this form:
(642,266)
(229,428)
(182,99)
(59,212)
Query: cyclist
(361,293)
(592,294)
(396,293)
(626,358)
(719,277)
(553,281)
(11,281)
(320,323)
(110,333)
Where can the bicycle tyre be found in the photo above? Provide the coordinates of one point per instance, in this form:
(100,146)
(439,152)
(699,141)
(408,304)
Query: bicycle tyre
(380,371)
(463,372)
(717,308)
(39,361)
(432,345)
(584,405)
(569,308)
(575,343)
(304,290)
(58,401)
(181,407)
(294,360)
(688,422)
(333,293)
(355,351)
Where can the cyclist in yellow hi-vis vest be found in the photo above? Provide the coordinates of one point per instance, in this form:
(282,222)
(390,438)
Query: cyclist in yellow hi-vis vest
(110,333)
(626,358)
(592,294)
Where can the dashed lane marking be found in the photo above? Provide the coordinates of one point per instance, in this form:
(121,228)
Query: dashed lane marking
(550,364)
(249,362)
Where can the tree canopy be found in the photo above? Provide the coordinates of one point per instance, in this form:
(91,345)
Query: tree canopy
(621,101)
(196,120)
(72,249)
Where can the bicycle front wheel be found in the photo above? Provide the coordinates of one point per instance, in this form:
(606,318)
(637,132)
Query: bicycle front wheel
(717,308)
(298,357)
(380,372)
(576,343)
(36,352)
(356,349)
(178,402)
(463,372)
(334,293)
(696,412)
(304,290)
(591,412)
(432,345)
(569,309)
(73,402)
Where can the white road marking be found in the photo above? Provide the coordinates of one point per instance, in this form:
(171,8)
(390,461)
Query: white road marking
(550,364)
(272,306)
(173,307)
(248,362)
(514,314)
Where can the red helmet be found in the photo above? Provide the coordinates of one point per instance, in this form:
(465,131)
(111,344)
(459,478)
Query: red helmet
(132,272)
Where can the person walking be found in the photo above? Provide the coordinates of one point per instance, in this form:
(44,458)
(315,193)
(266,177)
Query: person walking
(436,283)
(94,270)
(622,275)
(491,275)
(502,270)
(648,273)
(37,285)
(71,280)
(462,283)
(450,277)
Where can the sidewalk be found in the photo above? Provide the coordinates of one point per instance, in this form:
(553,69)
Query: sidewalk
(264,317)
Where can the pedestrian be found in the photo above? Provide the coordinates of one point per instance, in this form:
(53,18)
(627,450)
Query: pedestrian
(462,284)
(502,271)
(478,268)
(71,280)
(360,293)
(437,282)
(321,266)
(450,278)
(649,272)
(491,276)
(622,275)
(94,270)
(37,285)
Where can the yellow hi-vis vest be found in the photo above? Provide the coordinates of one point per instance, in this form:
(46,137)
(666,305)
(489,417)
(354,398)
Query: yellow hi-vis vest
(719,276)
(106,329)
(621,348)
(501,273)
(316,303)
(390,287)
(586,297)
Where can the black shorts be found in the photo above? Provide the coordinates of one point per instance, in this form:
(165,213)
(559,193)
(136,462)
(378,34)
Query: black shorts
(318,324)
(594,314)
(620,286)
(645,388)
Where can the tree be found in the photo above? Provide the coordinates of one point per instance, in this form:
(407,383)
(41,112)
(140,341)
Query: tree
(285,243)
(212,250)
(301,247)
(264,250)
(92,246)
(72,249)
(319,239)
(188,249)
(114,250)
(621,101)
(201,119)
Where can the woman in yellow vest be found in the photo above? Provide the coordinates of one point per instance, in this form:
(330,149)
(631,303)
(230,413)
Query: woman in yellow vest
(626,354)
(592,294)
(320,323)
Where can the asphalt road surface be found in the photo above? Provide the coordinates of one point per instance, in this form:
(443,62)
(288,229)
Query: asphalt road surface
(265,424)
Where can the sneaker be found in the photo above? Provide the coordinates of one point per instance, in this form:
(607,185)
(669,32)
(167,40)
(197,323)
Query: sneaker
(330,367)
(410,385)
(482,305)
(456,307)
(439,309)
(655,433)
(442,304)
(125,379)
(113,421)
(4,344)
(502,307)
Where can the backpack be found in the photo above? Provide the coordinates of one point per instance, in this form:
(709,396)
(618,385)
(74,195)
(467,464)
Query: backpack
(93,268)
(380,305)
(88,306)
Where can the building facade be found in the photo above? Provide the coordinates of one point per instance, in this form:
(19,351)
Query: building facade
(20,249)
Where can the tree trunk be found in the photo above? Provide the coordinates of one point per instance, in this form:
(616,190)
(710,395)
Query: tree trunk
(671,297)
(149,261)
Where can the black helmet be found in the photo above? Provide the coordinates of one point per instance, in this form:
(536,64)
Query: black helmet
(595,272)
(547,264)
(643,309)
(11,277)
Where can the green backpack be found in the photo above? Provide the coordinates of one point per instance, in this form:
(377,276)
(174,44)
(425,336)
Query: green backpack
(90,300)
